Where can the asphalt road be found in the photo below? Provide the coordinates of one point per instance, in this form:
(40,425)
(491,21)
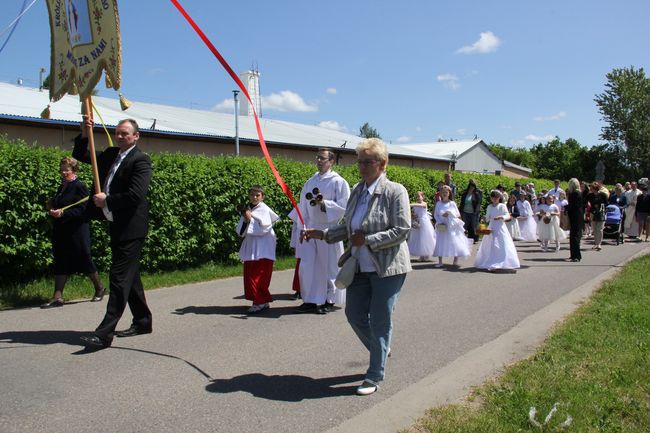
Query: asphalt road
(208,367)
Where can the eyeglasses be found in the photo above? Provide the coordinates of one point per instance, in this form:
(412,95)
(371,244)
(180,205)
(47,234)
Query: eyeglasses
(367,162)
(322,158)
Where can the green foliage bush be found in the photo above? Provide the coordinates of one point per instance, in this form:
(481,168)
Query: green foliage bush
(192,198)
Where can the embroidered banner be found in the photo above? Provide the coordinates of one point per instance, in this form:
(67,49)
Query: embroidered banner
(85,42)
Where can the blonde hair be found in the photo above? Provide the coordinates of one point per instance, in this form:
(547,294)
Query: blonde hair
(574,185)
(373,146)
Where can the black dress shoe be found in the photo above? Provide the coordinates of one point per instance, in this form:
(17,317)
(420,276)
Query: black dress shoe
(320,309)
(306,307)
(133,330)
(329,306)
(98,296)
(95,341)
(58,302)
(295,296)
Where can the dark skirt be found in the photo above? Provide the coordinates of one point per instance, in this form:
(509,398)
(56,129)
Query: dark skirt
(71,248)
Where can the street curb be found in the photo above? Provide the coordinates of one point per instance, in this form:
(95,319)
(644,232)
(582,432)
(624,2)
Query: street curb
(455,380)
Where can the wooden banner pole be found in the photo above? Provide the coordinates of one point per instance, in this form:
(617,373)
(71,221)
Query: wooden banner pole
(88,108)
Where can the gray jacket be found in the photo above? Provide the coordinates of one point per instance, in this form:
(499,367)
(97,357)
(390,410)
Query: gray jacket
(386,226)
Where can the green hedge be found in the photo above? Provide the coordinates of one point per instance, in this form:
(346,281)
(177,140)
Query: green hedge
(192,200)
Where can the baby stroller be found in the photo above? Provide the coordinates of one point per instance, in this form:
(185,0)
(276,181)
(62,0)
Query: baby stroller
(613,228)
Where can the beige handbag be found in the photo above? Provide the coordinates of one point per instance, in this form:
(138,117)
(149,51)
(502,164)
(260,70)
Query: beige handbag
(349,266)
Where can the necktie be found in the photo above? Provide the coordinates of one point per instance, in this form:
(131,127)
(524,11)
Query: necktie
(112,171)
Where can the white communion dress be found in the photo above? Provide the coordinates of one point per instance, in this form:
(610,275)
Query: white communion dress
(527,223)
(497,250)
(450,232)
(551,231)
(422,239)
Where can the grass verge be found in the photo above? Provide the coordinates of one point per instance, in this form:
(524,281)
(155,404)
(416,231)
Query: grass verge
(595,365)
(79,287)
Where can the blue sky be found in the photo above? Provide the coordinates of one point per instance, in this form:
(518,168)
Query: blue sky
(513,72)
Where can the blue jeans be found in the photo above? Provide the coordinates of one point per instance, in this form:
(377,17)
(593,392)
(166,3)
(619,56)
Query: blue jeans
(370,302)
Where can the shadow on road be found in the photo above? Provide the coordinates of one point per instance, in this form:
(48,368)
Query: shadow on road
(42,337)
(287,387)
(236,311)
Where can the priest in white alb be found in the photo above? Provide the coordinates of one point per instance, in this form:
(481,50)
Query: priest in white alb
(322,203)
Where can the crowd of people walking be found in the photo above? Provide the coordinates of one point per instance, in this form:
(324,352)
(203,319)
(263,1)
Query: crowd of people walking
(382,229)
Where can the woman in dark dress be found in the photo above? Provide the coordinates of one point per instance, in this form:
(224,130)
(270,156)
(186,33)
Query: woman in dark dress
(576,213)
(470,208)
(71,240)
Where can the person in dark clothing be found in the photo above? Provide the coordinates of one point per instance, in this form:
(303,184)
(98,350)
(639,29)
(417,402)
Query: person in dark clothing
(125,174)
(71,234)
(643,209)
(575,211)
(597,198)
(470,208)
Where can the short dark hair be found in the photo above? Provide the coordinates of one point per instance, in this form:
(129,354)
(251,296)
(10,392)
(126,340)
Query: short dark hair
(256,188)
(133,123)
(330,154)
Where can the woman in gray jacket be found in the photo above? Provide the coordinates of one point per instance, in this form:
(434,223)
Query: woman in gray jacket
(376,223)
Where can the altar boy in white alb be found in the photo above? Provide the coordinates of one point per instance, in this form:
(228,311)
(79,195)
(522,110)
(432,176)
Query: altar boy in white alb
(322,203)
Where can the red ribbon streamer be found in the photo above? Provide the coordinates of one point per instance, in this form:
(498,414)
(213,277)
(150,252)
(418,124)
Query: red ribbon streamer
(234,76)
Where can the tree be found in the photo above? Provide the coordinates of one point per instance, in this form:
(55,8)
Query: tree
(613,157)
(625,107)
(518,155)
(367,131)
(558,160)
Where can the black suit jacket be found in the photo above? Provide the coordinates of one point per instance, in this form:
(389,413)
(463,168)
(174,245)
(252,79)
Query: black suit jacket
(575,210)
(127,199)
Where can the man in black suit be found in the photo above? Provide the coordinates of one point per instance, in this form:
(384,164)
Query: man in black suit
(124,174)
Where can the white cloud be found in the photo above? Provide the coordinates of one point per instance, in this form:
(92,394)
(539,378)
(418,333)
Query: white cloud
(418,129)
(404,139)
(488,42)
(225,106)
(557,116)
(538,139)
(332,90)
(287,101)
(461,131)
(449,80)
(332,124)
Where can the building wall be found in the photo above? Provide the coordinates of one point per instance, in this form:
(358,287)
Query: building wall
(62,136)
(480,160)
(514,173)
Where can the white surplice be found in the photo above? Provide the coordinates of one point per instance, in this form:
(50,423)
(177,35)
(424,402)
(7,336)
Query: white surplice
(318,259)
(259,236)
(631,226)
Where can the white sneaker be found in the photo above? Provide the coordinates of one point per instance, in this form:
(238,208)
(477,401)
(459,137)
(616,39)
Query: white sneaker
(256,308)
(367,388)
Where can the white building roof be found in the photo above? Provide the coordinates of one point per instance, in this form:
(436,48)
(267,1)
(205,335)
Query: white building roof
(443,149)
(516,167)
(27,103)
(19,101)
